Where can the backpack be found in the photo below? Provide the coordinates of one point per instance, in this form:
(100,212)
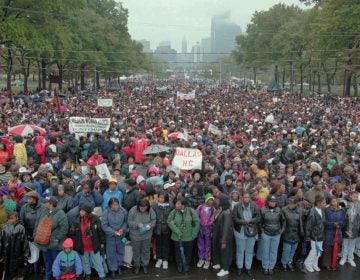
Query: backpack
(43,231)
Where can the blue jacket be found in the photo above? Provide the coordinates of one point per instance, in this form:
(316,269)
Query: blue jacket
(108,194)
(56,267)
(113,221)
(333,216)
(93,198)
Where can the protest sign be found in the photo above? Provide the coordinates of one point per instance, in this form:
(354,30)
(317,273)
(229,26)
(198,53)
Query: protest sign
(103,171)
(187,159)
(88,125)
(102,102)
(186,96)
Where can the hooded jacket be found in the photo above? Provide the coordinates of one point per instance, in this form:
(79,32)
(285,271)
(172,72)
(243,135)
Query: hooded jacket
(40,149)
(20,154)
(67,265)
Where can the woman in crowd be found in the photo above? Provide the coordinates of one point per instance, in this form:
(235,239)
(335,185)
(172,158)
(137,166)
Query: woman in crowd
(246,218)
(65,201)
(162,209)
(141,220)
(184,225)
(334,223)
(315,233)
(271,225)
(115,227)
(222,236)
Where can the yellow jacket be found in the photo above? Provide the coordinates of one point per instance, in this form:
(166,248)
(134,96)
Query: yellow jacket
(20,154)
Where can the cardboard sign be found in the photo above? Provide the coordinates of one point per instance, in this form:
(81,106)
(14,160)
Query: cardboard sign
(103,171)
(88,125)
(105,102)
(187,159)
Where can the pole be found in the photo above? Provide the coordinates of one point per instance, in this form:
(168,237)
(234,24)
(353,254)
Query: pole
(95,77)
(220,71)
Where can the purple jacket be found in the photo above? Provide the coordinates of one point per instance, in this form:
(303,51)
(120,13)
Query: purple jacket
(206,215)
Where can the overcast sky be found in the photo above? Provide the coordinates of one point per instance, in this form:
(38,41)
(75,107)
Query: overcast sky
(162,20)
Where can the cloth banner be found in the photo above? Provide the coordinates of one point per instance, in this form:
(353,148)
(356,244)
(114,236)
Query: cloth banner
(186,96)
(103,171)
(105,102)
(214,130)
(88,125)
(187,159)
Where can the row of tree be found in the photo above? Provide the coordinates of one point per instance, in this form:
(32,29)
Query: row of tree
(319,43)
(71,38)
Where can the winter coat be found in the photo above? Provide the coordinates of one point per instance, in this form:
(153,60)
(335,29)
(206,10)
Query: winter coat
(162,212)
(333,216)
(206,215)
(93,198)
(96,233)
(315,225)
(131,198)
(138,146)
(135,218)
(184,225)
(107,149)
(238,215)
(28,215)
(271,221)
(40,149)
(352,224)
(59,228)
(92,161)
(108,194)
(14,248)
(3,216)
(293,223)
(62,269)
(65,203)
(20,154)
(222,229)
(113,221)
(194,201)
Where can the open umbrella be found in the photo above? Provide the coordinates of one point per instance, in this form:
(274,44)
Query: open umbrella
(335,249)
(25,129)
(180,135)
(155,149)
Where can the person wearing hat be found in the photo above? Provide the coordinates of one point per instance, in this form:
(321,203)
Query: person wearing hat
(89,239)
(110,192)
(14,248)
(115,226)
(293,230)
(67,264)
(271,225)
(246,218)
(206,213)
(59,230)
(222,240)
(132,195)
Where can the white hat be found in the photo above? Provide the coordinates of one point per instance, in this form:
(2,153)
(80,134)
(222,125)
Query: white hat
(23,170)
(139,179)
(315,166)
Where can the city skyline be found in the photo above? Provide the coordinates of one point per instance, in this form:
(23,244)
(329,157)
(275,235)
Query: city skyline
(160,20)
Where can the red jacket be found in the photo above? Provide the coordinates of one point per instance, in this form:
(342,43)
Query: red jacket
(40,149)
(138,146)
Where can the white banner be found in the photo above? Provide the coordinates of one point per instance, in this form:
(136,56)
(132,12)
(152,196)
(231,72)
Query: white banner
(88,125)
(187,159)
(186,96)
(105,102)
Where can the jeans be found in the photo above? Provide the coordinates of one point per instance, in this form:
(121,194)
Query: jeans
(141,251)
(90,259)
(314,254)
(183,254)
(49,258)
(288,252)
(270,246)
(348,249)
(244,246)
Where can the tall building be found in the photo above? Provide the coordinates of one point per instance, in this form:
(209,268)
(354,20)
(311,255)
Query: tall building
(184,45)
(223,35)
(166,53)
(206,49)
(146,46)
(196,51)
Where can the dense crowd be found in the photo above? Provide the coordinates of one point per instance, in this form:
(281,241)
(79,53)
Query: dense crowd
(279,182)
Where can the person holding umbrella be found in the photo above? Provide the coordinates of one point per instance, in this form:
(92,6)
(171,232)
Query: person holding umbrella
(334,222)
(184,224)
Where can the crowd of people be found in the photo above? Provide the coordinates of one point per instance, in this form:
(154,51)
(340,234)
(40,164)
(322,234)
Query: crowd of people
(279,183)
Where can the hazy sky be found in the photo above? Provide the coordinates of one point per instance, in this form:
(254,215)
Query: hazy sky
(162,20)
